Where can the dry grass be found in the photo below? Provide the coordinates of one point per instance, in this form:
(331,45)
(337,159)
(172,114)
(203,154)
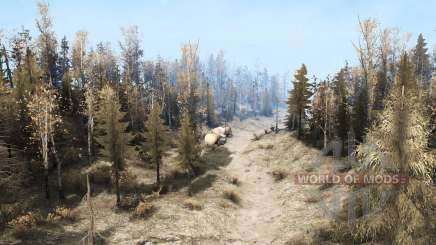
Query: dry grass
(325,186)
(265,146)
(192,204)
(312,199)
(143,210)
(24,224)
(60,213)
(232,195)
(279,174)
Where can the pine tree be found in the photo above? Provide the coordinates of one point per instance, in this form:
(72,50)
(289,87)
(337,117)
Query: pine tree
(299,98)
(266,103)
(342,116)
(187,145)
(323,108)
(397,143)
(210,108)
(156,136)
(113,138)
(421,60)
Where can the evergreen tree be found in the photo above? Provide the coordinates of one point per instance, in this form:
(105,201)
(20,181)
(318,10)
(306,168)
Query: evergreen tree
(421,60)
(359,111)
(299,98)
(342,112)
(113,138)
(210,108)
(187,145)
(397,143)
(157,139)
(266,103)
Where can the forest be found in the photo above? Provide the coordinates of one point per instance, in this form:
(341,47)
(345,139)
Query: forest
(99,145)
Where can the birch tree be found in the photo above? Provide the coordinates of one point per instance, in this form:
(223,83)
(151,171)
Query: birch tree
(43,112)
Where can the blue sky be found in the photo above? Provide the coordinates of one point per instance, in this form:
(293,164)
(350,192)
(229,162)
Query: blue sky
(278,35)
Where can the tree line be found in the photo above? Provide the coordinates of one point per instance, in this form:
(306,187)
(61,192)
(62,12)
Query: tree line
(53,90)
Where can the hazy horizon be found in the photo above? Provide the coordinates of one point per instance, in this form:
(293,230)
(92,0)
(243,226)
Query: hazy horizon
(277,35)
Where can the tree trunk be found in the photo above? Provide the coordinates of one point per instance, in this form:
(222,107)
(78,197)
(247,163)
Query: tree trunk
(91,231)
(9,151)
(158,173)
(47,191)
(299,124)
(59,168)
(117,185)
(277,118)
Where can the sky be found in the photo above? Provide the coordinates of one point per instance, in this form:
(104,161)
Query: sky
(277,35)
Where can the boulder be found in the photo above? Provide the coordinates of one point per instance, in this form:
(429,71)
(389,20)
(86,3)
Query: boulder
(228,131)
(211,138)
(221,131)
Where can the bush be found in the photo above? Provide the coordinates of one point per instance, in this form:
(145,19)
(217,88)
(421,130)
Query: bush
(129,202)
(312,199)
(193,204)
(143,209)
(279,174)
(100,172)
(60,213)
(232,195)
(128,181)
(25,223)
(266,146)
(234,181)
(74,181)
(8,212)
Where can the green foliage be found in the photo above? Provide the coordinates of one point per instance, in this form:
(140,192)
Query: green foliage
(113,136)
(156,137)
(299,98)
(187,145)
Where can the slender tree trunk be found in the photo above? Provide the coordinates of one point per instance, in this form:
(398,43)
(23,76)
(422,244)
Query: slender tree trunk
(90,132)
(91,231)
(299,124)
(277,118)
(158,173)
(9,151)
(117,185)
(47,191)
(59,168)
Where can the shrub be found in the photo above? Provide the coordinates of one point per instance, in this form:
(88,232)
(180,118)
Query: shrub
(74,181)
(128,181)
(268,146)
(325,186)
(25,223)
(143,209)
(279,174)
(60,213)
(193,204)
(129,202)
(312,199)
(232,195)
(100,172)
(234,181)
(8,212)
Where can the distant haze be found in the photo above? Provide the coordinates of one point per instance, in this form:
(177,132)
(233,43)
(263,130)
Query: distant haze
(278,35)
